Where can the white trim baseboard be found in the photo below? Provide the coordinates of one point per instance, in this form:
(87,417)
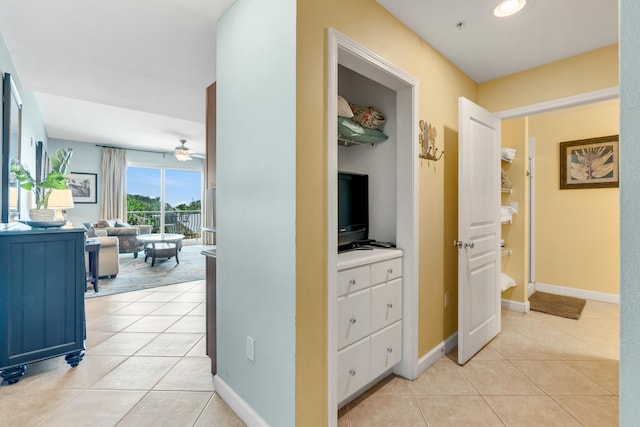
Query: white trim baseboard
(520,307)
(237,404)
(436,353)
(577,293)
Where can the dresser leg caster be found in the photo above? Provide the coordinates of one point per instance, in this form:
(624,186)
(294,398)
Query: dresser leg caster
(73,359)
(13,375)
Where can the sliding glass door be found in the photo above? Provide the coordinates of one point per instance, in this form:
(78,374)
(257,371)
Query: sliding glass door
(168,199)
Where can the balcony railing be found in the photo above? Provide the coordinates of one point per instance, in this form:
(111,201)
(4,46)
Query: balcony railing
(182,222)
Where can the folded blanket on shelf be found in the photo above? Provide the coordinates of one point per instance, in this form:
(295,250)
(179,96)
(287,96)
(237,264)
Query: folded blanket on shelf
(506,282)
(508,153)
(506,213)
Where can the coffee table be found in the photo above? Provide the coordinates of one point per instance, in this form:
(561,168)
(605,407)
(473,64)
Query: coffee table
(161,245)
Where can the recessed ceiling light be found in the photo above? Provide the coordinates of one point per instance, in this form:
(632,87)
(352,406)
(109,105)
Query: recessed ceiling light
(509,7)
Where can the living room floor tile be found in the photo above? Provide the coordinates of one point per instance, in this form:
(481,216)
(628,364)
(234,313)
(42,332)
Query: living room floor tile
(122,344)
(190,373)
(110,322)
(218,413)
(175,308)
(139,308)
(96,408)
(136,373)
(193,324)
(160,297)
(152,324)
(167,408)
(170,345)
(199,310)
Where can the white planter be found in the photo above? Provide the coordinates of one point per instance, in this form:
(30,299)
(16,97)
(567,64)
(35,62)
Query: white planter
(42,214)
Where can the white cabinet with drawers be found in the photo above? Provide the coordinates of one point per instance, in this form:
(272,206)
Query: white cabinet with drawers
(369,290)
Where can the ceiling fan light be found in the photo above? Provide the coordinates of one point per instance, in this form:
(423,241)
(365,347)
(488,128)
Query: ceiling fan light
(509,7)
(181,152)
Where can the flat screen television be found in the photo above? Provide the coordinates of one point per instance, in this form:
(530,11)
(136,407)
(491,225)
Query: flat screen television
(353,209)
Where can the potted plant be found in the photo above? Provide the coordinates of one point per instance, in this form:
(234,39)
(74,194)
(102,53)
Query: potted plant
(56,179)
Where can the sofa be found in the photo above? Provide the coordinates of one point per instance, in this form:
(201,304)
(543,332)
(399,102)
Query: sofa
(127,234)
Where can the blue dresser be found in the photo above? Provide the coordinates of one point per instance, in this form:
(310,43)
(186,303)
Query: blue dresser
(42,285)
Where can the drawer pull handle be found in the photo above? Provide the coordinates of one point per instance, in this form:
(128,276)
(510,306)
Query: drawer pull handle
(389,305)
(390,350)
(353,320)
(390,270)
(352,281)
(352,372)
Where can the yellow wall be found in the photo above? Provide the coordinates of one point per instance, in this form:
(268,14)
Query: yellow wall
(590,71)
(515,235)
(441,84)
(577,231)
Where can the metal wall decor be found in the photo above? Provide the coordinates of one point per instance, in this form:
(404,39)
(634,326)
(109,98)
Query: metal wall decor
(427,140)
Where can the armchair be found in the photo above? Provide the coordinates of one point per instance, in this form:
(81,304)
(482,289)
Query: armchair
(108,262)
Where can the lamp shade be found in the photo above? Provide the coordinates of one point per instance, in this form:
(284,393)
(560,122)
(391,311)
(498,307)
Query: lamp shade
(61,199)
(13,197)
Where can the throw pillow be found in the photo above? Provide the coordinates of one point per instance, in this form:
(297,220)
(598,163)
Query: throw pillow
(122,224)
(91,232)
(343,108)
(103,223)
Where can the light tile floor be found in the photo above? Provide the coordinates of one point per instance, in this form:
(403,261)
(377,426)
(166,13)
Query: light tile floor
(145,365)
(541,370)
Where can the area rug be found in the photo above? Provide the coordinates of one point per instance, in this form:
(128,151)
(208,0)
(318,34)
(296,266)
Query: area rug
(136,274)
(558,305)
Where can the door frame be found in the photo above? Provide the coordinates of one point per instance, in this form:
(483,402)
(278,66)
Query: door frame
(344,51)
(543,107)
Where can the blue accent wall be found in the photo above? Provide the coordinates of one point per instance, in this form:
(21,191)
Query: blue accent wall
(256,204)
(629,213)
(33,129)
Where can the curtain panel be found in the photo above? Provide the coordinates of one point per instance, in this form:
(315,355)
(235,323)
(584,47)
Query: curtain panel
(113,184)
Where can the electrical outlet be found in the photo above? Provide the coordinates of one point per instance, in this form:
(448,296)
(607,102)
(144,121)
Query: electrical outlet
(446,299)
(251,345)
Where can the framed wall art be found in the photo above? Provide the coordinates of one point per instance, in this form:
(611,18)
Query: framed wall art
(590,163)
(84,187)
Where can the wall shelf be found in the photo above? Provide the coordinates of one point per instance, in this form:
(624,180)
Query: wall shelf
(506,252)
(506,190)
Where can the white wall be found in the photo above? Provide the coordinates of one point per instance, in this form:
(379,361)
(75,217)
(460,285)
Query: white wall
(630,215)
(256,204)
(377,161)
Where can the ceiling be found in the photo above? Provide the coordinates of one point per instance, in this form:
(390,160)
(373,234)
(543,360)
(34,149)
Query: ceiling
(486,47)
(134,73)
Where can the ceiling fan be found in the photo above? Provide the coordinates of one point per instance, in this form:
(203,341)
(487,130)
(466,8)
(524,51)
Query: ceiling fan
(181,152)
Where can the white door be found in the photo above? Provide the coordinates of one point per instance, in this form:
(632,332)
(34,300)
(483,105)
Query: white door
(478,228)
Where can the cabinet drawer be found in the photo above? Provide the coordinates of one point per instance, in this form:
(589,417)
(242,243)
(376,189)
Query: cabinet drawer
(386,270)
(386,304)
(352,280)
(354,314)
(353,368)
(386,349)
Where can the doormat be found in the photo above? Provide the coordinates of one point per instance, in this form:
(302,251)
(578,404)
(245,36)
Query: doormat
(558,305)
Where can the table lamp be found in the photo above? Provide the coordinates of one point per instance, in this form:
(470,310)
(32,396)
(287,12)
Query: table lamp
(60,200)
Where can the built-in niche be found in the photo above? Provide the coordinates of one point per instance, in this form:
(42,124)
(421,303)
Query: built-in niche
(377,160)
